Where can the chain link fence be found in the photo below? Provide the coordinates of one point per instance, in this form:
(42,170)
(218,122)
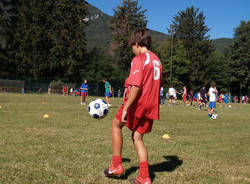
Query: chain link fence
(55,87)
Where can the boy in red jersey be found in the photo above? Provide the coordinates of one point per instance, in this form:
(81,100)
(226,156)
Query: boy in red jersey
(140,106)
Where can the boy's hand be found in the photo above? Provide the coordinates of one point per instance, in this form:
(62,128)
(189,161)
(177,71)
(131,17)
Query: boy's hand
(124,115)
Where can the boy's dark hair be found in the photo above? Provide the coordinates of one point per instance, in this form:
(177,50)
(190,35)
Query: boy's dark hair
(212,84)
(141,37)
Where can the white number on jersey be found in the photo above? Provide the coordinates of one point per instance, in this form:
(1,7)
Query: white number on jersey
(157,70)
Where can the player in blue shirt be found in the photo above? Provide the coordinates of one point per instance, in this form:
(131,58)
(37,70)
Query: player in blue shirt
(84,89)
(226,99)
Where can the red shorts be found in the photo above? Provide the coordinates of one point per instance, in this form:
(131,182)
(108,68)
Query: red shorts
(84,94)
(184,98)
(142,125)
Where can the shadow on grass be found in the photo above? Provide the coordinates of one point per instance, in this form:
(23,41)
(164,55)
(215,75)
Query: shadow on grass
(172,162)
(126,160)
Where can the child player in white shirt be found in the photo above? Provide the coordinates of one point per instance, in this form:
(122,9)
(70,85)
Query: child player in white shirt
(212,98)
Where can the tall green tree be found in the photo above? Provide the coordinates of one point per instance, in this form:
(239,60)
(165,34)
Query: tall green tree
(100,65)
(190,29)
(31,43)
(240,59)
(127,17)
(49,41)
(218,70)
(180,64)
(7,19)
(68,52)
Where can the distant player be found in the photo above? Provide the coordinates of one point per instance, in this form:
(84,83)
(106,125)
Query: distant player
(220,98)
(226,100)
(172,95)
(108,91)
(184,95)
(203,97)
(140,107)
(76,92)
(235,99)
(162,100)
(212,98)
(71,92)
(84,92)
(65,90)
(196,97)
(191,94)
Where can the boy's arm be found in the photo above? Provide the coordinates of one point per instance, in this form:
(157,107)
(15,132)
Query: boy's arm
(131,98)
(110,89)
(125,92)
(216,91)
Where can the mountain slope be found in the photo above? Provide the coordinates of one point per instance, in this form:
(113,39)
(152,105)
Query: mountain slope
(98,33)
(222,43)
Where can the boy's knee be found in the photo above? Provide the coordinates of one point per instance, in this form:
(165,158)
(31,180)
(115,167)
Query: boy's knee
(116,123)
(136,136)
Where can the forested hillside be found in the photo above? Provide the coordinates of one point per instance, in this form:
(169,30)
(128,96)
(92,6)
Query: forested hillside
(99,34)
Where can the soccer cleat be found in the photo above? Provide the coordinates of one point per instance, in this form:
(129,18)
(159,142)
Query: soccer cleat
(140,180)
(114,171)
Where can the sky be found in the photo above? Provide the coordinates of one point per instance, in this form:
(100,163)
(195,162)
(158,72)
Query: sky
(222,16)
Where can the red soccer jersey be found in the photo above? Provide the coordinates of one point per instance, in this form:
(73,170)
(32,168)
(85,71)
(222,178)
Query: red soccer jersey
(146,73)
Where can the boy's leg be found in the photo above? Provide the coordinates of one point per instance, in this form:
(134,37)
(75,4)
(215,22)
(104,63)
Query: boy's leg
(116,167)
(211,112)
(83,99)
(107,100)
(140,147)
(117,141)
(143,159)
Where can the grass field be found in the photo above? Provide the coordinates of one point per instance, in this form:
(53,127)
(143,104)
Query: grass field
(71,147)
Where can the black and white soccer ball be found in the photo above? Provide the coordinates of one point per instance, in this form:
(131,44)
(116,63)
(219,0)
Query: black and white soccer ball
(98,108)
(214,116)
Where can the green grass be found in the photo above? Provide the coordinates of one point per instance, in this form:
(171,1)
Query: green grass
(72,147)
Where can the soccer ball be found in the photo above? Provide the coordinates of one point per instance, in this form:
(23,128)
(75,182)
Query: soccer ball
(214,116)
(229,106)
(98,108)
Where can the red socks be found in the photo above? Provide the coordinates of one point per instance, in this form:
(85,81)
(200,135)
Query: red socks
(144,169)
(116,160)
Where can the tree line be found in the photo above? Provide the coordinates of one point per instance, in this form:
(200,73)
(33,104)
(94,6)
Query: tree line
(46,40)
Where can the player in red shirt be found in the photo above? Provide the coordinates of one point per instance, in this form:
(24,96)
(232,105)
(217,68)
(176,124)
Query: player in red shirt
(184,95)
(140,106)
(221,98)
(235,99)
